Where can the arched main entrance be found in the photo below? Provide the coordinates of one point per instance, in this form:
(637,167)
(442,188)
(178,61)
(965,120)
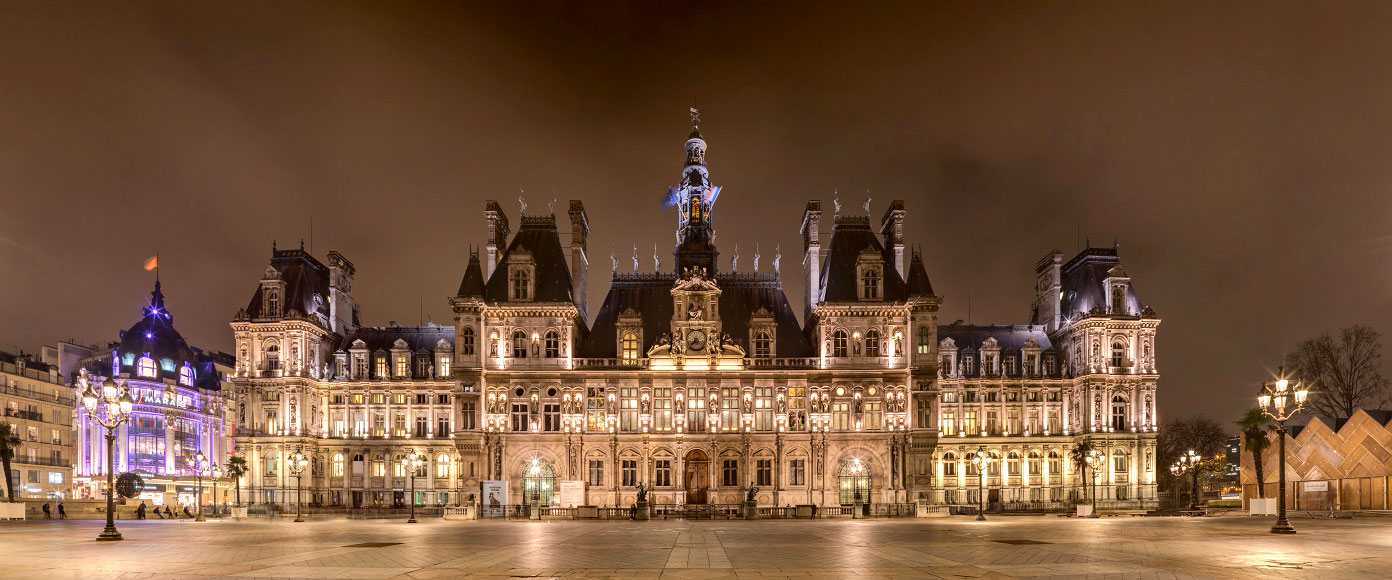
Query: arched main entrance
(854,482)
(538,483)
(697,476)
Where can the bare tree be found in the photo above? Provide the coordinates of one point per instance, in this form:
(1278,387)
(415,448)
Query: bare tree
(1199,434)
(1342,376)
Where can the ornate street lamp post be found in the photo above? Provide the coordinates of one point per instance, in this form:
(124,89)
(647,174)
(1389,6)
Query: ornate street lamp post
(114,409)
(534,482)
(1281,400)
(200,464)
(1094,460)
(856,469)
(412,463)
(298,461)
(215,474)
(1189,463)
(981,459)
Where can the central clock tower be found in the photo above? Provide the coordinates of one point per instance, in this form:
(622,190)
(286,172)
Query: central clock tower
(696,313)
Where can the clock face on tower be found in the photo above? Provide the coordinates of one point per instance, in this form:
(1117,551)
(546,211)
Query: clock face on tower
(696,340)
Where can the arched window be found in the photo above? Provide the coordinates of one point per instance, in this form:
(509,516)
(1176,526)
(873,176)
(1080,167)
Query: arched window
(924,346)
(763,345)
(872,342)
(1119,462)
(629,346)
(519,344)
(1118,299)
(272,463)
(949,463)
(995,468)
(442,466)
(359,464)
(838,343)
(398,469)
(186,375)
(145,367)
(1012,464)
(521,284)
(553,344)
(1034,461)
(466,341)
(1055,464)
(1118,413)
(273,303)
(338,465)
(272,357)
(379,465)
(1118,353)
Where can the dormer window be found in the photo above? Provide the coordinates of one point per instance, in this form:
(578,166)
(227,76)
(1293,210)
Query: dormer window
(1118,299)
(186,375)
(273,303)
(381,366)
(521,282)
(628,347)
(763,345)
(870,283)
(145,367)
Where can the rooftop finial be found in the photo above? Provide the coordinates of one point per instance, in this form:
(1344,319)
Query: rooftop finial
(836,200)
(777,257)
(695,114)
(522,201)
(551,206)
(867,201)
(756,257)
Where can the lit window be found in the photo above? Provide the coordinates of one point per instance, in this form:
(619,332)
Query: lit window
(630,349)
(186,375)
(338,465)
(442,466)
(838,343)
(444,368)
(923,340)
(145,367)
(382,367)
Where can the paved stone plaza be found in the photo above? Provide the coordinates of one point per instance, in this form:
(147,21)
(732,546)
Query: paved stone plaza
(1005,547)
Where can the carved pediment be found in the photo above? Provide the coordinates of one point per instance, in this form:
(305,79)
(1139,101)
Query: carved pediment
(947,343)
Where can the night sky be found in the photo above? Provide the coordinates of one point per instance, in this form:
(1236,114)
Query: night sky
(1241,155)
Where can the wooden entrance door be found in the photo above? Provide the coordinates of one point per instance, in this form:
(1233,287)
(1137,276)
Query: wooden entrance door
(697,476)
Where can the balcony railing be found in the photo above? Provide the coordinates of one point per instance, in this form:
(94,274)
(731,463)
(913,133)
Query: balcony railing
(36,395)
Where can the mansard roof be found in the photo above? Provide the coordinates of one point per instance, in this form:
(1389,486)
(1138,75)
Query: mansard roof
(472,284)
(304,278)
(650,296)
(850,237)
(417,338)
(538,238)
(1008,336)
(1083,283)
(918,284)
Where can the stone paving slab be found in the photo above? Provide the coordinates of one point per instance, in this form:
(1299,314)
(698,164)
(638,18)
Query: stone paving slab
(956,548)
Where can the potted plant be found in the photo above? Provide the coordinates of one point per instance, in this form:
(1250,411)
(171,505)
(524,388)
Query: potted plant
(1084,508)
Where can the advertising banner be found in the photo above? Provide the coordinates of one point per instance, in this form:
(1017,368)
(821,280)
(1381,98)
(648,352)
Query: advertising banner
(494,498)
(572,493)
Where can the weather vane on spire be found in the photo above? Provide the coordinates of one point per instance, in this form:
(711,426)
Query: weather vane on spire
(695,115)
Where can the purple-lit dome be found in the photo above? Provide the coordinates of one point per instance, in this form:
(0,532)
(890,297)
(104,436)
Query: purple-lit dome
(155,334)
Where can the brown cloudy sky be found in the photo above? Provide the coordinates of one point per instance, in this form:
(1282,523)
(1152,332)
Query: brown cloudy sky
(1240,153)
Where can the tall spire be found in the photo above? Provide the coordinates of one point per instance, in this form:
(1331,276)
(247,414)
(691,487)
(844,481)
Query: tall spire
(156,308)
(695,196)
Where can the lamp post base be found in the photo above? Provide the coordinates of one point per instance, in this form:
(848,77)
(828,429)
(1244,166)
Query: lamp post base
(412,520)
(299,517)
(1282,527)
(980,517)
(200,518)
(109,534)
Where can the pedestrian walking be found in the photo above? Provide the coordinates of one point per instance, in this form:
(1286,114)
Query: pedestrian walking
(62,513)
(48,511)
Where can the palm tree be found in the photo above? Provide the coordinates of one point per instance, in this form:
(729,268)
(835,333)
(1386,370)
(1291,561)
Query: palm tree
(236,468)
(9,444)
(1079,454)
(1255,424)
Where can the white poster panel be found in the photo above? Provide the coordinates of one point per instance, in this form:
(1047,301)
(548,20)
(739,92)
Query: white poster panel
(1317,486)
(494,497)
(572,493)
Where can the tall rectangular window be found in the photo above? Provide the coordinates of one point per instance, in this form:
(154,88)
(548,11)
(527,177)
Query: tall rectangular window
(763,472)
(924,412)
(551,417)
(662,409)
(1012,421)
(596,478)
(841,416)
(797,408)
(729,472)
(521,420)
(797,472)
(763,408)
(948,424)
(696,409)
(663,471)
(873,417)
(969,422)
(466,415)
(992,428)
(628,410)
(442,427)
(594,409)
(729,409)
(630,472)
(381,367)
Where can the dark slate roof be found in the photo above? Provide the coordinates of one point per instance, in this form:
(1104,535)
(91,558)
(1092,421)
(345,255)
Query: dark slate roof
(537,236)
(155,334)
(1009,337)
(417,338)
(305,277)
(472,284)
(650,296)
(850,236)
(29,362)
(918,284)
(1083,278)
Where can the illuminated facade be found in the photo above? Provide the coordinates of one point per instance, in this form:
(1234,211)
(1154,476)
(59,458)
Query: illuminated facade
(39,411)
(181,409)
(697,381)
